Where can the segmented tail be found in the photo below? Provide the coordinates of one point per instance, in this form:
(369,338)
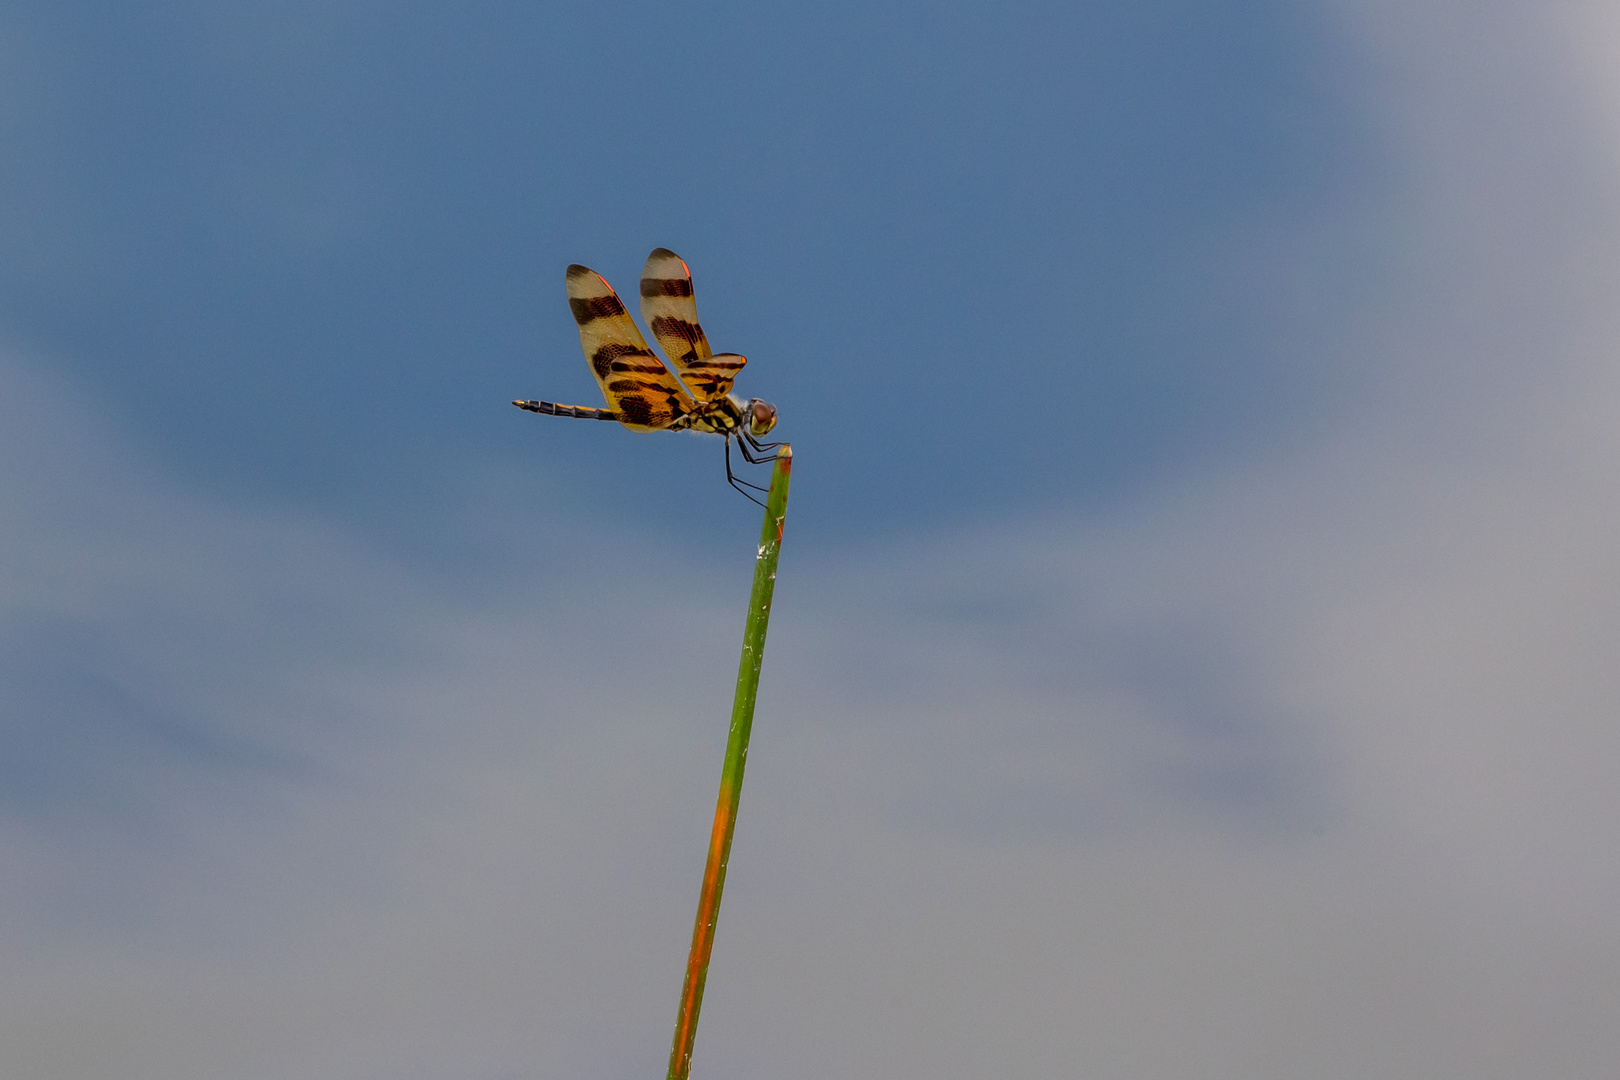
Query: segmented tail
(551,408)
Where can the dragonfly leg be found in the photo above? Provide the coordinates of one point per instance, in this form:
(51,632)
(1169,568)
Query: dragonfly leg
(742,447)
(746,457)
(740,485)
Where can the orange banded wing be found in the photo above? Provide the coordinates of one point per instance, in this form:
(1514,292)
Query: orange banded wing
(670,312)
(635,382)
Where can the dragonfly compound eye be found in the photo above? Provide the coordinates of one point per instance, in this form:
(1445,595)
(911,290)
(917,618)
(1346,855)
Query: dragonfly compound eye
(761,417)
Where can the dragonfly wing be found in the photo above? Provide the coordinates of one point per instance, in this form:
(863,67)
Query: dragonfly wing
(668,308)
(635,382)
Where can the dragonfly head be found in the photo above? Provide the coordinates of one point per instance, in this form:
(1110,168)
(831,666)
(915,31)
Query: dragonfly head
(761,417)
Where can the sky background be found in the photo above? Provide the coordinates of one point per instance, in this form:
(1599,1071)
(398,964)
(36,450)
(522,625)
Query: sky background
(1194,646)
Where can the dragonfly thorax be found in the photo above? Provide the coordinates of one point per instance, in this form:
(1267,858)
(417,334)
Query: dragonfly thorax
(729,415)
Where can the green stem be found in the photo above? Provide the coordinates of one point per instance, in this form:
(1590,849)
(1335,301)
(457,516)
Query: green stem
(731,777)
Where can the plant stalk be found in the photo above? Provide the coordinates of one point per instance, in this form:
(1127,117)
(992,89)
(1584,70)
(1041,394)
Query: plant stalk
(731,776)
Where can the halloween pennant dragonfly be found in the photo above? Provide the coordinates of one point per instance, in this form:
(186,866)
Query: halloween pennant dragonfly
(641,393)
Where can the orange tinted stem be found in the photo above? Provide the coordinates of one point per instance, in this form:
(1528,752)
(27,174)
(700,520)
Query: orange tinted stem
(731,777)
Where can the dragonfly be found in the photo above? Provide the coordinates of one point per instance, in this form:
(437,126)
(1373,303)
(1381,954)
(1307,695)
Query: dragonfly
(640,391)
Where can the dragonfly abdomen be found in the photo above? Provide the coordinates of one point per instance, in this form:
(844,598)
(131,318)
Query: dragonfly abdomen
(551,408)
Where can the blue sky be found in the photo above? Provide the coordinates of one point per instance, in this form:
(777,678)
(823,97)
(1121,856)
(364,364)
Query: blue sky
(310,245)
(1192,654)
